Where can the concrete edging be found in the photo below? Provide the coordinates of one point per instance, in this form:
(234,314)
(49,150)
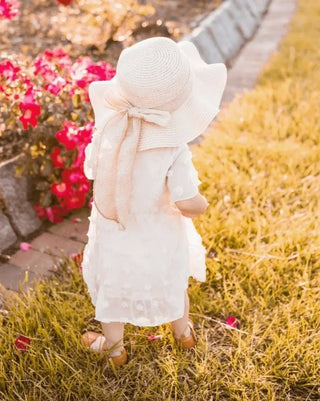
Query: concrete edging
(17,216)
(221,35)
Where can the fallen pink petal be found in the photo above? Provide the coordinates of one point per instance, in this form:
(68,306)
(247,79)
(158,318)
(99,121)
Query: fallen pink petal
(25,246)
(76,220)
(232,322)
(151,337)
(22,343)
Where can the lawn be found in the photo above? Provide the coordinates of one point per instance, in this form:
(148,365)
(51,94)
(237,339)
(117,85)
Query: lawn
(260,170)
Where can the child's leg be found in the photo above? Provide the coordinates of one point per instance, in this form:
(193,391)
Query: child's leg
(180,326)
(113,333)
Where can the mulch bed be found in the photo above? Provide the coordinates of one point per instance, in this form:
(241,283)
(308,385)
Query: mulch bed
(44,24)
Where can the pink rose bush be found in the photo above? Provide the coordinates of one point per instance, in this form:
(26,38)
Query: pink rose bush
(47,102)
(9,9)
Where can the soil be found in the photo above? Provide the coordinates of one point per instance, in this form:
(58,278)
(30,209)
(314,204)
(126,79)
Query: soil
(44,24)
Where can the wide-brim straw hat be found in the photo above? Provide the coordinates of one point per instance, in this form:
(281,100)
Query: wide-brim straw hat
(158,73)
(163,95)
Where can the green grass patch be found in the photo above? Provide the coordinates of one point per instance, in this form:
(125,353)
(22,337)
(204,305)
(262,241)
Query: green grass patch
(261,174)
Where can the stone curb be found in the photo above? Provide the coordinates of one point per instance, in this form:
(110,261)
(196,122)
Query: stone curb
(255,54)
(17,216)
(221,35)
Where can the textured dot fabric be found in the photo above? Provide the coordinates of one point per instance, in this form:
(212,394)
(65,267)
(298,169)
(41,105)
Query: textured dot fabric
(139,275)
(182,177)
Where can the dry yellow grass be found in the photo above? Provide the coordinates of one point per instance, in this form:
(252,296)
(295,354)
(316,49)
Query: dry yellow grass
(261,173)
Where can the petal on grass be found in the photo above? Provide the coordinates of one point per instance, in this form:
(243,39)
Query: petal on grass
(151,337)
(232,322)
(22,343)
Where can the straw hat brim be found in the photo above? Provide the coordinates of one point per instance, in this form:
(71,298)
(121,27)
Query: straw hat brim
(188,121)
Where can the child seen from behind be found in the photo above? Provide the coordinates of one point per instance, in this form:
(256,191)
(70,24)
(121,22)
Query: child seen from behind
(142,244)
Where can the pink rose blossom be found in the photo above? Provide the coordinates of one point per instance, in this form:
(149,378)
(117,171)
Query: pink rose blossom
(55,213)
(68,136)
(60,57)
(75,201)
(8,70)
(101,71)
(44,68)
(30,113)
(85,133)
(56,85)
(56,157)
(73,176)
(40,211)
(84,71)
(9,9)
(60,189)
(31,110)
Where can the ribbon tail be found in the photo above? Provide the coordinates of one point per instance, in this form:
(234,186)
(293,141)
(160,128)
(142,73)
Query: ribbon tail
(125,164)
(105,182)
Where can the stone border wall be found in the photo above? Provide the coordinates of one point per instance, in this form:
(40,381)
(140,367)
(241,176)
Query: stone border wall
(17,216)
(219,38)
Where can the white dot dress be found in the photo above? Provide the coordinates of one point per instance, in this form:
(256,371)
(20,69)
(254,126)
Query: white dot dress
(139,275)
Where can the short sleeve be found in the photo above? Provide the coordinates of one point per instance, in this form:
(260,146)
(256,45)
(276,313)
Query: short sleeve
(182,177)
(91,156)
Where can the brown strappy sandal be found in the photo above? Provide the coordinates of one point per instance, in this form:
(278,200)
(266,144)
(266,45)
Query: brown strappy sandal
(186,342)
(90,337)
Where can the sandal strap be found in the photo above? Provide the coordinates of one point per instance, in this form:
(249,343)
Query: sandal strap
(94,341)
(120,360)
(186,342)
(98,344)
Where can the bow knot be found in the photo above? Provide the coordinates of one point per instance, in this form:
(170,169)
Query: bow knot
(159,117)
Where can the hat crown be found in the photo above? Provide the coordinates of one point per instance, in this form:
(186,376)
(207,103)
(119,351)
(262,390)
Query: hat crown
(154,73)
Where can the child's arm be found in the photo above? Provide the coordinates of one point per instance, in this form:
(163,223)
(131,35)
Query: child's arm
(193,207)
(183,181)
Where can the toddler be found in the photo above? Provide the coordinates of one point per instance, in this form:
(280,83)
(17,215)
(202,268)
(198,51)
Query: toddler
(142,245)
